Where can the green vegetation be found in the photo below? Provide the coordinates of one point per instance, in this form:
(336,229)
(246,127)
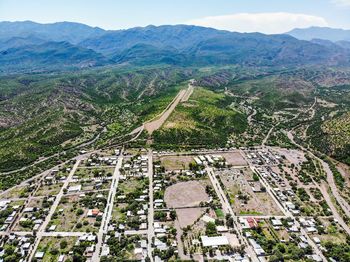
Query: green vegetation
(219,213)
(46,114)
(206,119)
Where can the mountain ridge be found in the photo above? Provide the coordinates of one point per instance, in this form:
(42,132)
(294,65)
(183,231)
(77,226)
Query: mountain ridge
(184,45)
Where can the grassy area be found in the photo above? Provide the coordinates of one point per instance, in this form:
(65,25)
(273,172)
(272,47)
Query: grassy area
(53,247)
(219,213)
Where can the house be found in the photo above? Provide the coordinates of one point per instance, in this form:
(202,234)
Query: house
(28,209)
(52,228)
(316,240)
(276,222)
(259,251)
(89,251)
(221,229)
(61,258)
(94,213)
(105,250)
(74,189)
(252,222)
(208,219)
(39,255)
(290,205)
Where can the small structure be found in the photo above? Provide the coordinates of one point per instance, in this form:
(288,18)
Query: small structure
(39,255)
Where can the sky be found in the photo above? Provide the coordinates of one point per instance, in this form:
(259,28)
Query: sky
(266,16)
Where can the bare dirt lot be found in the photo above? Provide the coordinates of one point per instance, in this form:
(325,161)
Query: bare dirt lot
(252,203)
(185,194)
(187,216)
(176,162)
(292,156)
(234,158)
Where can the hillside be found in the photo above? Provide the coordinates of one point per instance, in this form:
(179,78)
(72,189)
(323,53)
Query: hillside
(27,46)
(48,56)
(44,114)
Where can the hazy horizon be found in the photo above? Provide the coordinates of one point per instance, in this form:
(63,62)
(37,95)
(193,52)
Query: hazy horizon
(271,18)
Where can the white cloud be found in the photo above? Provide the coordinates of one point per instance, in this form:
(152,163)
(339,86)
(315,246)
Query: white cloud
(341,2)
(268,23)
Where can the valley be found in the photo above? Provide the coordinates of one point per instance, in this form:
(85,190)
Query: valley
(172,143)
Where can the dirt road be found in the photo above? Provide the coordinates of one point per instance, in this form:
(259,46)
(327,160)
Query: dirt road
(324,188)
(55,204)
(159,121)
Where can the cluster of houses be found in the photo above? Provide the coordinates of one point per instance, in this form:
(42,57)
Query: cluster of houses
(96,160)
(56,175)
(163,239)
(211,160)
(249,222)
(139,214)
(136,167)
(88,253)
(281,196)
(262,157)
(10,215)
(309,224)
(140,251)
(22,246)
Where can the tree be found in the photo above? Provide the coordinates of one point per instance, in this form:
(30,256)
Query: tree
(173,214)
(63,244)
(80,212)
(210,229)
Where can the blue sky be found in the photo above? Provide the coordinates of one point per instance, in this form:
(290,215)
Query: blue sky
(269,16)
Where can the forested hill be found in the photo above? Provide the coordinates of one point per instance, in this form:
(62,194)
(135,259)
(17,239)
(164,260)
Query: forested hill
(29,46)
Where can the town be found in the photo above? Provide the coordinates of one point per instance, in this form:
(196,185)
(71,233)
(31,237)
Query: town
(139,204)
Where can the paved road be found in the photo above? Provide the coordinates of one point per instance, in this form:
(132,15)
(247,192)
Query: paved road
(42,228)
(151,205)
(136,232)
(108,210)
(188,93)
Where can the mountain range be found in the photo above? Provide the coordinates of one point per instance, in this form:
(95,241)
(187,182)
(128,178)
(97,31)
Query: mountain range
(325,33)
(28,46)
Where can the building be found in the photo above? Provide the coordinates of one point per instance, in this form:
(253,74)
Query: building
(73,189)
(214,241)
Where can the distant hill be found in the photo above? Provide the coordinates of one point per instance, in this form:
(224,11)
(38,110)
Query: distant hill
(324,33)
(61,31)
(28,45)
(49,56)
(178,36)
(192,45)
